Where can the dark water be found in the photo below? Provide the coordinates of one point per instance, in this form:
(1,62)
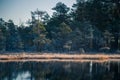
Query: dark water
(59,71)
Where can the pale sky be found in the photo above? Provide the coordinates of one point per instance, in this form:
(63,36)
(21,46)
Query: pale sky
(19,10)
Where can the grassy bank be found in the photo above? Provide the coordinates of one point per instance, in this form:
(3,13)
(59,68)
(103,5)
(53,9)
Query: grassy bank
(56,56)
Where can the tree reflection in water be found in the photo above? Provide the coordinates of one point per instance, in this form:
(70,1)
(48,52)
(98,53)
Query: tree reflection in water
(60,71)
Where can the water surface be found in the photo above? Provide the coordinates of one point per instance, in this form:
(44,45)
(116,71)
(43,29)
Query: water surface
(33,70)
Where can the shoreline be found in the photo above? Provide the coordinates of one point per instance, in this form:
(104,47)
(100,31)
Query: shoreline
(58,57)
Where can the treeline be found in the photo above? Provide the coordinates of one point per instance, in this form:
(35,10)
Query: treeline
(90,25)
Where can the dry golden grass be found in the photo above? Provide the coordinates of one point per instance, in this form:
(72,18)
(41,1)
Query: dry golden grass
(56,56)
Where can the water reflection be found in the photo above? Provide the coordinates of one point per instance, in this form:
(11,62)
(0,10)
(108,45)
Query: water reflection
(60,71)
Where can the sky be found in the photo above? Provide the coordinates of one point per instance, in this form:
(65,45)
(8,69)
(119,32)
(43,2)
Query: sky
(19,10)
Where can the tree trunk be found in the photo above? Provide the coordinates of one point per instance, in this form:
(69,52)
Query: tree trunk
(116,43)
